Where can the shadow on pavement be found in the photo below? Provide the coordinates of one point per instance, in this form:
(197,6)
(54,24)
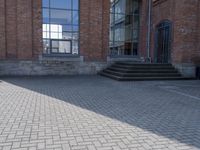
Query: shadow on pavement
(139,104)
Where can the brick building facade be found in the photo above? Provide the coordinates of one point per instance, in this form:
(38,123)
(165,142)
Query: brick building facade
(22,47)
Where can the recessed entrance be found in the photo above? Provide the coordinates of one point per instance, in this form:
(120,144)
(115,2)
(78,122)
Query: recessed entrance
(163,42)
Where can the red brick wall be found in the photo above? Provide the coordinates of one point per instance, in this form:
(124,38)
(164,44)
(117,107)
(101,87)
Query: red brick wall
(106,28)
(143,28)
(37,28)
(24,29)
(161,11)
(196,54)
(94,29)
(11,28)
(2,30)
(197,59)
(184,15)
(20,29)
(185,31)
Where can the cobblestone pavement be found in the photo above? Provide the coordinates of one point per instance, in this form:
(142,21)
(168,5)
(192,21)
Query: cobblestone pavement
(93,112)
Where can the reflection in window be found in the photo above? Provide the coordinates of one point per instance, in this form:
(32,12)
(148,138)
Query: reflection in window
(60,26)
(124,27)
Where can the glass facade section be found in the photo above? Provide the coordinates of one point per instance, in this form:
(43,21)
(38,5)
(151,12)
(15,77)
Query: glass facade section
(124,27)
(61,26)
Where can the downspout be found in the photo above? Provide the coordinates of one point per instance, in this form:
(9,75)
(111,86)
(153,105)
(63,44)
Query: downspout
(148,59)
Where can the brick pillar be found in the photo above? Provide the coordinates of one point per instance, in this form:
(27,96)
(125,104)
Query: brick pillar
(11,29)
(20,29)
(2,30)
(106,28)
(185,31)
(84,28)
(185,49)
(24,29)
(94,27)
(197,52)
(143,29)
(37,28)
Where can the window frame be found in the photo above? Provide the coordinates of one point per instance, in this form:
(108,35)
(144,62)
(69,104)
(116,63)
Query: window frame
(75,29)
(60,40)
(113,44)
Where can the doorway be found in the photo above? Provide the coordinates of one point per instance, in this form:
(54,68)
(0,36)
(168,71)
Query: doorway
(163,42)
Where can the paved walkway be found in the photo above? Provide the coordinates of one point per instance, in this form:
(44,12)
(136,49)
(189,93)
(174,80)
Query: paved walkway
(92,112)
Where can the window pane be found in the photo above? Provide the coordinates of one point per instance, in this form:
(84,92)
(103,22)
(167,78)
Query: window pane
(124,27)
(67,28)
(45,13)
(46,35)
(45,3)
(61,16)
(64,46)
(75,36)
(65,4)
(120,6)
(61,46)
(75,28)
(75,4)
(46,45)
(75,17)
(44,27)
(112,18)
(55,44)
(67,35)
(60,26)
(56,35)
(74,47)
(54,28)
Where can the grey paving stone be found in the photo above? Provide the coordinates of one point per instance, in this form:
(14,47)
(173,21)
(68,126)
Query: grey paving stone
(92,112)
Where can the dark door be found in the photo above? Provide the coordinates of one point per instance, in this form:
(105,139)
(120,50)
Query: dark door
(163,42)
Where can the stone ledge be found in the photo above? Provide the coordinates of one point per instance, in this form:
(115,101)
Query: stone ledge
(115,59)
(61,58)
(50,67)
(186,69)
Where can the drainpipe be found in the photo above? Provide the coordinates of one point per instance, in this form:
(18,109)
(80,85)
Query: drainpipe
(149,30)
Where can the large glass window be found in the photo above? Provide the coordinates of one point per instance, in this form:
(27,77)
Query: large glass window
(61,26)
(124,27)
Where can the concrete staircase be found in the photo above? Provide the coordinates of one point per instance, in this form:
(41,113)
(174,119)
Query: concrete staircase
(126,71)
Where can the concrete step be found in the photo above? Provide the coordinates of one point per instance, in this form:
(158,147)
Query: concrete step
(141,78)
(141,70)
(143,74)
(142,66)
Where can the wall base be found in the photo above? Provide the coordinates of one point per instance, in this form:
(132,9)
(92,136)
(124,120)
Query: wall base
(62,67)
(49,67)
(124,58)
(187,70)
